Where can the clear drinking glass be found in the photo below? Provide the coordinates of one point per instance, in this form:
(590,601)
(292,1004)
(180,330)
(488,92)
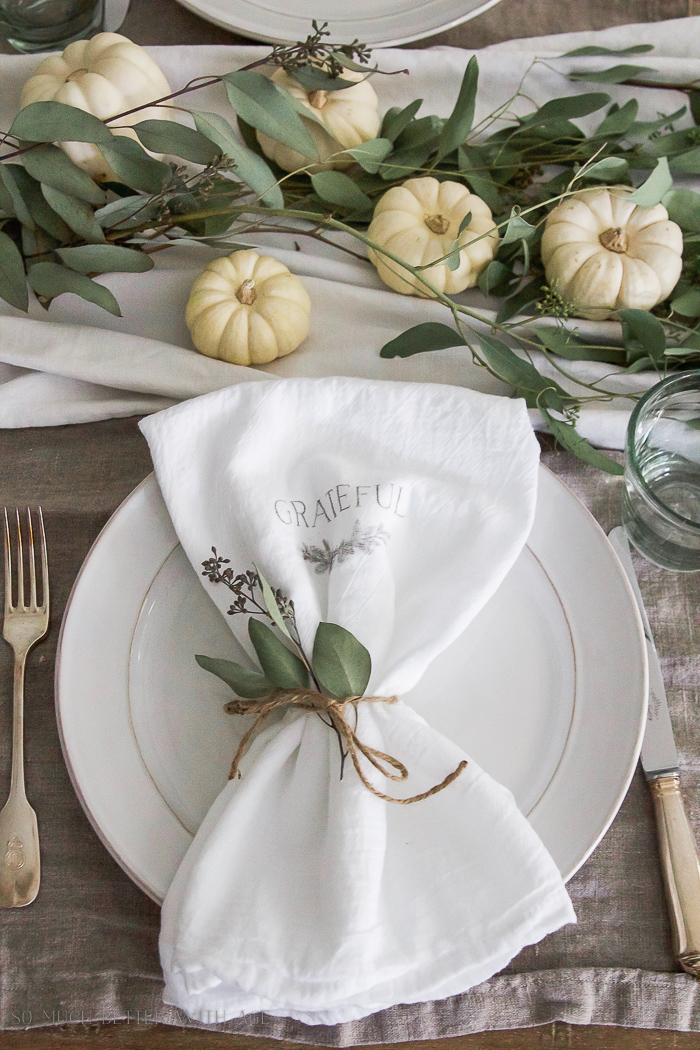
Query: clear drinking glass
(48,25)
(661,504)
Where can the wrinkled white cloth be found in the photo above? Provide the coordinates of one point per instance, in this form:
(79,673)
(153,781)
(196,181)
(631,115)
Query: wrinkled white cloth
(352,316)
(303,895)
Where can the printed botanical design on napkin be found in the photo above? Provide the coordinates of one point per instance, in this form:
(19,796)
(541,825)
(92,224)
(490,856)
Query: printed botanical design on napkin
(363,540)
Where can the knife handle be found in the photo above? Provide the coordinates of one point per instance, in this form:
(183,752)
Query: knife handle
(680,866)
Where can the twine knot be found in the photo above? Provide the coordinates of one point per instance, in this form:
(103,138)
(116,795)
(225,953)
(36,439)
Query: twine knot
(310,700)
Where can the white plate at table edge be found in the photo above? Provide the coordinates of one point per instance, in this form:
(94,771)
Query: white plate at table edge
(277,27)
(594,770)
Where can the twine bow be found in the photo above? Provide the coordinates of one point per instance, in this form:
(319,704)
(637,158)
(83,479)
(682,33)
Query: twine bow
(310,700)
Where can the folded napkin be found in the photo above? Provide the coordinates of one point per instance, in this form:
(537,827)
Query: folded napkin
(154,304)
(394,510)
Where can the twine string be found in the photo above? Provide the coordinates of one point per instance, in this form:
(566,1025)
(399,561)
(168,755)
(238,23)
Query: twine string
(310,700)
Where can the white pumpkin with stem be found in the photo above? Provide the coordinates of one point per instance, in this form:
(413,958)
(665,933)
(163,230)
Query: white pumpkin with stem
(247,309)
(338,120)
(104,76)
(420,223)
(603,253)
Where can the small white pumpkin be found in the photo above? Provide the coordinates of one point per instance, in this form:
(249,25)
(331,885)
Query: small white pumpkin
(348,118)
(105,75)
(603,253)
(247,309)
(419,222)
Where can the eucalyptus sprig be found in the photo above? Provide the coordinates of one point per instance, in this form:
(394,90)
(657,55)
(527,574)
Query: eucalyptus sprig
(339,666)
(59,228)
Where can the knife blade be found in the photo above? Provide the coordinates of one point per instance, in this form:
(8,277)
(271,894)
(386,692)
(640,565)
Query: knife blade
(680,864)
(659,755)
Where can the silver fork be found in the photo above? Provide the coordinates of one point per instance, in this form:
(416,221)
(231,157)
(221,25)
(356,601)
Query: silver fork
(24,625)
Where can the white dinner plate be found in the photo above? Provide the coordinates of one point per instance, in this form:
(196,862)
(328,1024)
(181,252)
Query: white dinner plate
(546,689)
(381,23)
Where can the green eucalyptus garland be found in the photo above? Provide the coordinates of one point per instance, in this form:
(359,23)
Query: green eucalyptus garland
(59,228)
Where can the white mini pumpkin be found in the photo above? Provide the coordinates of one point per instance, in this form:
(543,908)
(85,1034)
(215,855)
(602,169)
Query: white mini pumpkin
(105,75)
(604,253)
(247,309)
(348,118)
(419,222)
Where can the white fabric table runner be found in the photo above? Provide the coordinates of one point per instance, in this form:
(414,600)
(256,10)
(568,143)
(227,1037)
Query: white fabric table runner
(50,374)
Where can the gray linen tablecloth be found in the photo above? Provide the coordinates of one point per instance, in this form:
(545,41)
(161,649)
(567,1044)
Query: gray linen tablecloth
(87,948)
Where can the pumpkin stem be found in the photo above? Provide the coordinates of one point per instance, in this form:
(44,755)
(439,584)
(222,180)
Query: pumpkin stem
(318,99)
(246,294)
(437,224)
(614,239)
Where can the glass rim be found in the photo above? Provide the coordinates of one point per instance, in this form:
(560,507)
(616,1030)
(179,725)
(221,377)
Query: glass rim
(660,388)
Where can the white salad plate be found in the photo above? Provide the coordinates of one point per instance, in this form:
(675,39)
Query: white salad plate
(546,689)
(376,22)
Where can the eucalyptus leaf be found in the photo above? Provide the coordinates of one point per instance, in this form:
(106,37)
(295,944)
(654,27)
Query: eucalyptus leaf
(616,75)
(518,229)
(53,167)
(52,279)
(37,205)
(165,136)
(403,162)
(609,169)
(371,153)
(694,99)
(497,278)
(567,436)
(425,131)
(57,122)
(75,213)
(313,78)
(526,296)
(652,192)
(337,188)
(268,108)
(619,120)
(564,343)
(130,162)
(9,177)
(686,163)
(650,127)
(683,207)
(522,375)
(271,604)
(567,108)
(250,168)
(674,142)
(250,684)
(595,49)
(431,335)
(642,335)
(122,211)
(397,119)
(460,121)
(341,664)
(687,304)
(105,258)
(13,281)
(283,667)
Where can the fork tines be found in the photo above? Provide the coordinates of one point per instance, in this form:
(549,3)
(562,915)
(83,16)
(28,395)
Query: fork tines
(34,605)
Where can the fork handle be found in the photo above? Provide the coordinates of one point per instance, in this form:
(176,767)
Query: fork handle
(17,777)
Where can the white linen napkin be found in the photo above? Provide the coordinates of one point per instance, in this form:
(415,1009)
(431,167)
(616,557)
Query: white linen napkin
(154,304)
(304,895)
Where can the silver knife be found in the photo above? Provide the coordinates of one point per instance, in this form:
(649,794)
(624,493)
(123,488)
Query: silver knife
(680,863)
